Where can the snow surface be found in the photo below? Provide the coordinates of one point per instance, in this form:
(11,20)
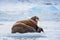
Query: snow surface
(51,32)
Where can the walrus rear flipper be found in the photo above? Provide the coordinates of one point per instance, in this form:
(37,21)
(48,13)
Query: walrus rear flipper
(18,29)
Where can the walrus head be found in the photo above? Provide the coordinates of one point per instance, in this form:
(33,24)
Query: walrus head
(35,18)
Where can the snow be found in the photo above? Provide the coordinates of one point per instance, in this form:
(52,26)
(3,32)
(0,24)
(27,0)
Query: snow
(51,32)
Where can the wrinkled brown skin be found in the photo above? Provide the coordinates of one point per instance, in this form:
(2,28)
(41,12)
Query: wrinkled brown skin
(22,28)
(29,25)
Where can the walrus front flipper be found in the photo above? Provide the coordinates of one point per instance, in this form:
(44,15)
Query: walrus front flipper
(40,30)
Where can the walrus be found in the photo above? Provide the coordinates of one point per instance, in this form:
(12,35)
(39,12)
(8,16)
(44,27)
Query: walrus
(28,25)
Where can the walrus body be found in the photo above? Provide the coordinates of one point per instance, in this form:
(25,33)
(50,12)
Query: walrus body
(22,28)
(29,25)
(29,22)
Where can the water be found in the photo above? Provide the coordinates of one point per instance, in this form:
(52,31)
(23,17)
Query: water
(51,32)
